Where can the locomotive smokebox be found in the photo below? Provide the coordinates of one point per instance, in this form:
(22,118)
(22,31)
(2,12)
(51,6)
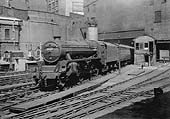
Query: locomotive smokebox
(51,51)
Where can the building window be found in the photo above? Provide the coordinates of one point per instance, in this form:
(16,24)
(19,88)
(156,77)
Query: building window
(49,7)
(88,9)
(146,46)
(53,5)
(157,16)
(137,46)
(164,1)
(141,46)
(151,2)
(94,7)
(7,34)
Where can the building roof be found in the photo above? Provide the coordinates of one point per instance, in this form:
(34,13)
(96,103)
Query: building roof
(142,39)
(116,45)
(126,46)
(123,34)
(10,18)
(3,62)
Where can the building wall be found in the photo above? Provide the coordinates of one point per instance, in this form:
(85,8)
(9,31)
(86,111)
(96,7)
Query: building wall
(58,6)
(145,50)
(65,7)
(13,12)
(40,5)
(70,5)
(76,27)
(77,6)
(116,15)
(125,15)
(39,27)
(119,17)
(53,6)
(158,25)
(42,27)
(11,40)
(160,30)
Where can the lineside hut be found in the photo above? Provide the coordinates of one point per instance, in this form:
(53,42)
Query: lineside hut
(145,51)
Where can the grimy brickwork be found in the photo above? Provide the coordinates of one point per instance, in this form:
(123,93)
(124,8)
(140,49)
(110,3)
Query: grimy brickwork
(40,26)
(122,15)
(117,18)
(116,15)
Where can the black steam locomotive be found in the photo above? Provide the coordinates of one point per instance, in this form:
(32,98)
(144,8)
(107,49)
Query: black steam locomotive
(92,57)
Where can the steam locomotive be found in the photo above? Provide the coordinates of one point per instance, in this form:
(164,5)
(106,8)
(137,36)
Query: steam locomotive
(92,57)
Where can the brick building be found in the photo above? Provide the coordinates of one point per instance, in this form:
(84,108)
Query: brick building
(158,25)
(125,20)
(39,5)
(9,34)
(77,6)
(53,6)
(117,19)
(41,26)
(65,7)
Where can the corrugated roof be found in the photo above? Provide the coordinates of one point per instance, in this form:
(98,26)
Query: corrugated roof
(126,46)
(116,45)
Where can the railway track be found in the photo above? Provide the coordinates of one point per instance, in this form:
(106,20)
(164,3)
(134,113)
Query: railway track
(66,108)
(16,91)
(22,93)
(107,104)
(13,73)
(24,96)
(95,104)
(18,83)
(15,79)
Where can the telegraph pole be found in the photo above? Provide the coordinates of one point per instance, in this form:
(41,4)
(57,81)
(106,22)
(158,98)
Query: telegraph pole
(119,56)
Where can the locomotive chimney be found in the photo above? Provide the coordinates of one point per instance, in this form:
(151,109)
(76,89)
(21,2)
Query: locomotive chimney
(92,30)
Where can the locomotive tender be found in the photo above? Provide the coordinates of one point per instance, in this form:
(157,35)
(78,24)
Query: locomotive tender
(93,58)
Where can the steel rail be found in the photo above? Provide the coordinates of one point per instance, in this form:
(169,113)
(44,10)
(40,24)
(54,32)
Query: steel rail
(15,79)
(121,100)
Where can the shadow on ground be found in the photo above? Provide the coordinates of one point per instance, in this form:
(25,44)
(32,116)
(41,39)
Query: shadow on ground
(156,108)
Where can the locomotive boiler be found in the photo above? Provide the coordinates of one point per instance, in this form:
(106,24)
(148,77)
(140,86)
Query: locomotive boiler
(53,51)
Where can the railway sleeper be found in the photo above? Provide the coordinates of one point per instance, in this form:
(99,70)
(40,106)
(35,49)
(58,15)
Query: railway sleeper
(117,102)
